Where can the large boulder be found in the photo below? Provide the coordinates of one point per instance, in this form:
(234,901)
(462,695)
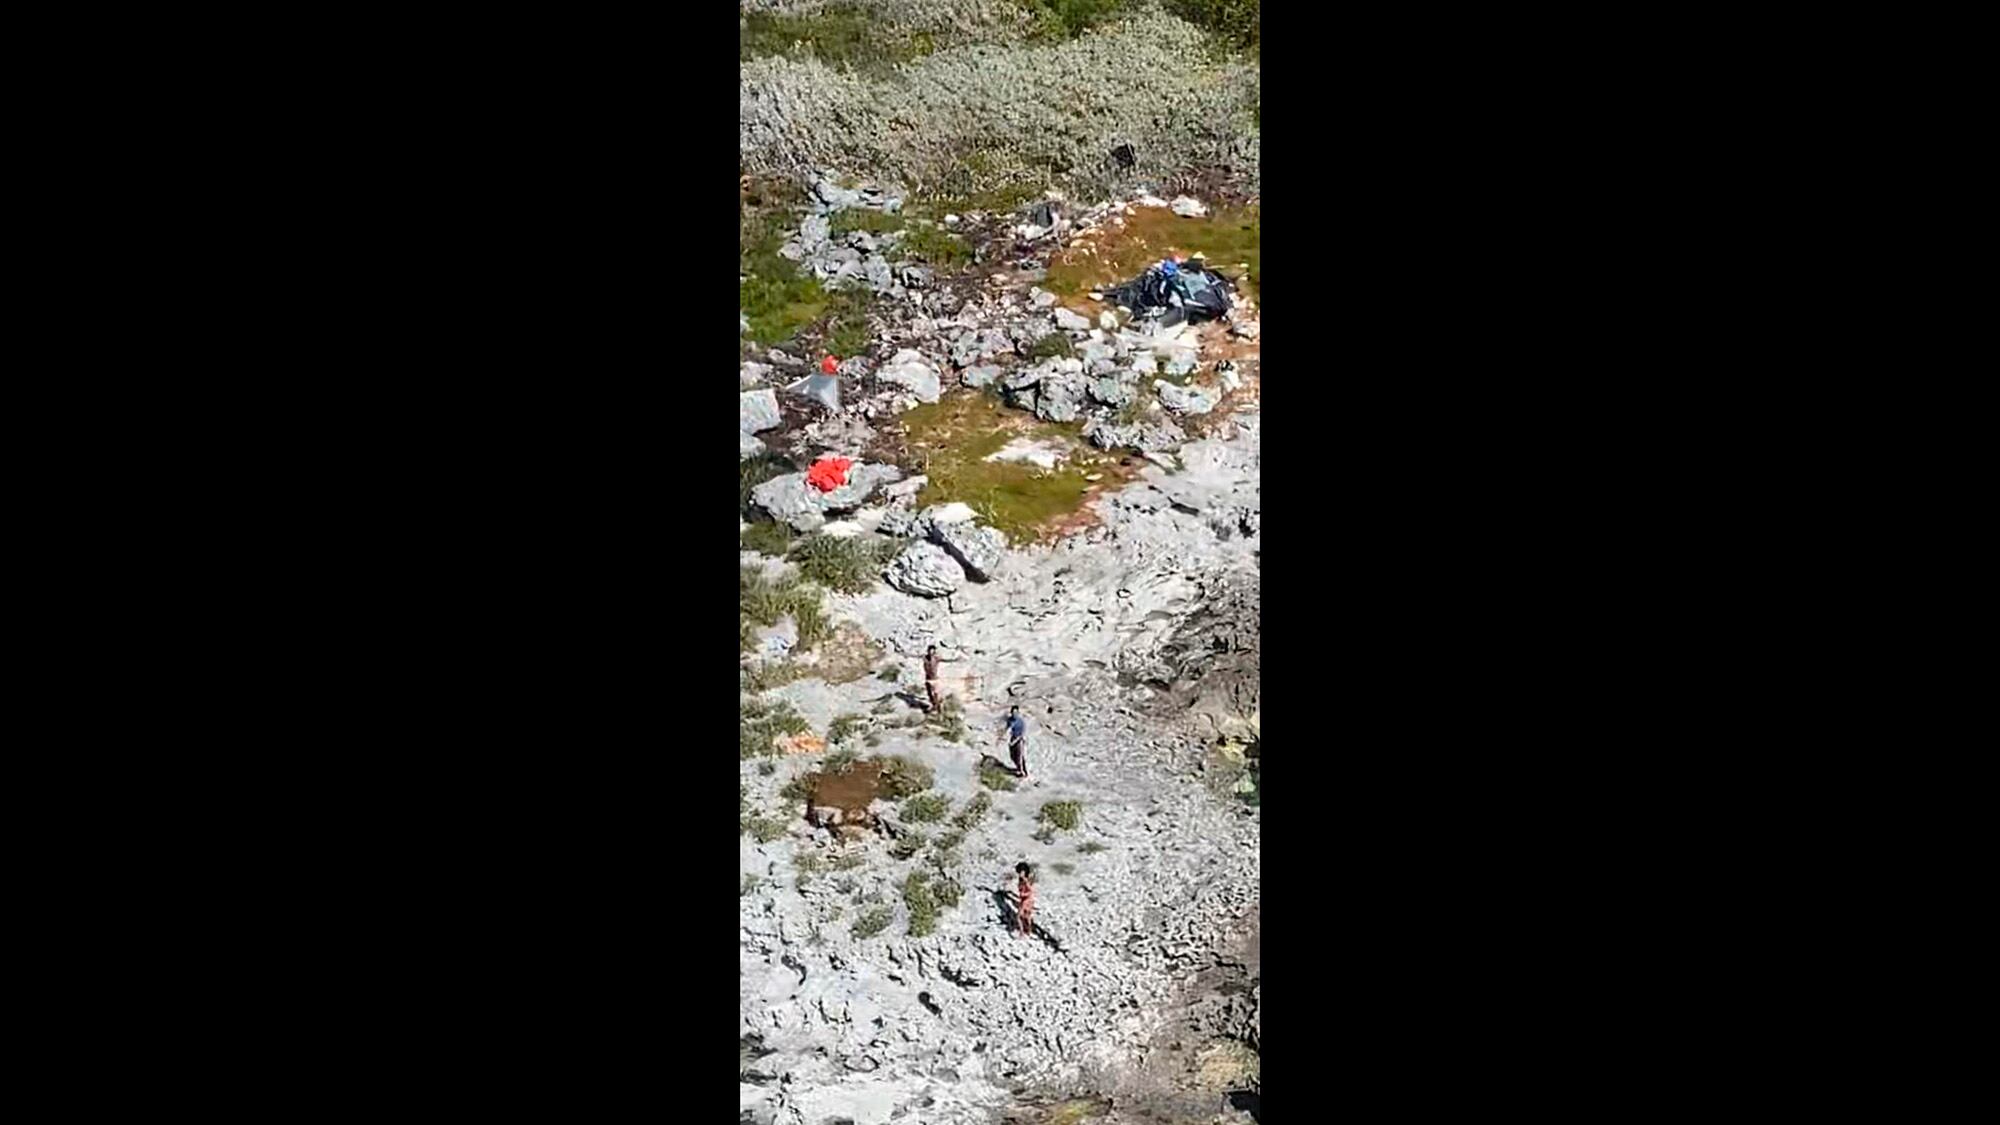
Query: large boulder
(1060,398)
(910,369)
(790,499)
(747,446)
(977,549)
(926,570)
(1186,400)
(980,375)
(758,411)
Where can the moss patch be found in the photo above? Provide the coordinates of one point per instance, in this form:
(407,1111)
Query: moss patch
(949,440)
(1230,238)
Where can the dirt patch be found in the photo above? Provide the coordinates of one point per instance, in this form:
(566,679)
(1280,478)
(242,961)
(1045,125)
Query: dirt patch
(850,791)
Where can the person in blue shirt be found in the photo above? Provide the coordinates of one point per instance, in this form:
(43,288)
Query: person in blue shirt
(1016,734)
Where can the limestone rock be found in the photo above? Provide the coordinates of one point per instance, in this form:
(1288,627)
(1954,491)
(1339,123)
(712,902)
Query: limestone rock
(926,570)
(758,411)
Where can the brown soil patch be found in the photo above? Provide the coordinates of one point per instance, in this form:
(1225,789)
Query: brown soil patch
(850,792)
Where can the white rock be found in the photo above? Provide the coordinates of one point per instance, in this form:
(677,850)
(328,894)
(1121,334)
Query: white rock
(757,411)
(1188,207)
(1069,321)
(1107,320)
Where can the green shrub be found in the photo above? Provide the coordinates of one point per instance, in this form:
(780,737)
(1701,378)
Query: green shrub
(849,861)
(947,891)
(1067,19)
(974,810)
(1052,345)
(767,537)
(799,788)
(938,246)
(1060,814)
(844,725)
(838,762)
(926,808)
(902,777)
(757,724)
(764,830)
(850,565)
(995,777)
(907,845)
(1234,22)
(921,903)
(873,922)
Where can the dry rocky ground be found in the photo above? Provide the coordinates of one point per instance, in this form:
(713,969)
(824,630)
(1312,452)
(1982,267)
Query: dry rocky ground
(879,978)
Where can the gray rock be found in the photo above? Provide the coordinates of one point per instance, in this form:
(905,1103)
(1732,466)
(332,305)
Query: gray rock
(898,523)
(854,367)
(751,374)
(982,376)
(862,240)
(1042,298)
(813,232)
(1186,400)
(823,389)
(747,446)
(918,277)
(1022,378)
(876,270)
(910,369)
(1060,398)
(1145,437)
(977,549)
(926,570)
(805,508)
(758,411)
(1112,392)
(1071,322)
(1246,329)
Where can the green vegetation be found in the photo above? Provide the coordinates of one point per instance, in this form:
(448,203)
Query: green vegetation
(757,723)
(838,762)
(921,903)
(844,725)
(849,861)
(762,600)
(938,246)
(926,807)
(776,297)
(1052,345)
(873,922)
(847,332)
(949,441)
(995,777)
(1234,23)
(764,829)
(853,219)
(903,778)
(947,891)
(749,884)
(1067,19)
(767,537)
(849,565)
(843,36)
(1061,814)
(974,810)
(799,788)
(1232,240)
(907,845)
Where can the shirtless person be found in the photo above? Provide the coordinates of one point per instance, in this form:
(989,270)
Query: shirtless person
(930,677)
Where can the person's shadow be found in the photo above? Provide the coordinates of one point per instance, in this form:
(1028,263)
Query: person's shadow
(1010,917)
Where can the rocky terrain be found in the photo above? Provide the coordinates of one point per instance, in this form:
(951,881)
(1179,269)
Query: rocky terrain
(1062,495)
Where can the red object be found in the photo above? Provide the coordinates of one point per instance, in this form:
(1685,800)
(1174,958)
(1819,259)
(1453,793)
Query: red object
(829,365)
(828,474)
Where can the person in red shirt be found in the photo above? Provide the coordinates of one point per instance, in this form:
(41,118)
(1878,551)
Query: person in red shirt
(1025,912)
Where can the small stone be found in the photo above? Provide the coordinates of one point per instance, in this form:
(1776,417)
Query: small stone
(1070,322)
(1042,298)
(1107,320)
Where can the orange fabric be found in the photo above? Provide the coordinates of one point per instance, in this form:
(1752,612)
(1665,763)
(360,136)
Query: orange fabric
(828,474)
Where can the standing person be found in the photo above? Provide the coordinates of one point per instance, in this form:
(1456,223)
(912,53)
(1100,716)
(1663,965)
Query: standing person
(1025,913)
(930,676)
(1016,734)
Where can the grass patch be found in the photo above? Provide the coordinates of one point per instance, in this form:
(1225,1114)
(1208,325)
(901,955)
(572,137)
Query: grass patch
(1052,345)
(1231,238)
(843,36)
(764,677)
(1061,814)
(927,807)
(846,332)
(974,810)
(764,601)
(775,296)
(850,566)
(1233,23)
(799,788)
(807,863)
(902,777)
(844,725)
(749,884)
(757,724)
(948,891)
(853,219)
(848,862)
(838,762)
(921,903)
(764,830)
(1067,19)
(994,777)
(938,246)
(872,922)
(767,537)
(907,845)
(948,441)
